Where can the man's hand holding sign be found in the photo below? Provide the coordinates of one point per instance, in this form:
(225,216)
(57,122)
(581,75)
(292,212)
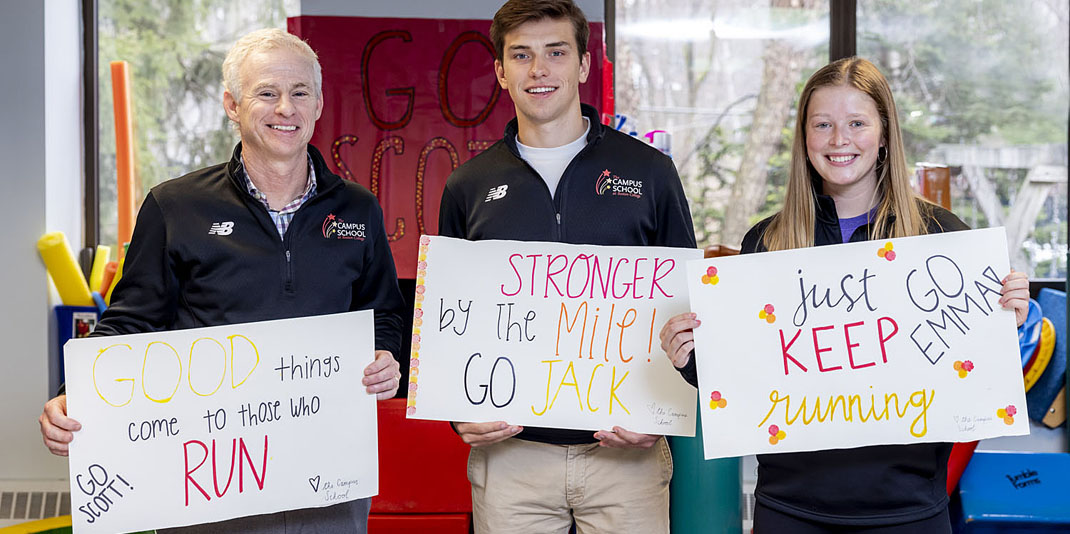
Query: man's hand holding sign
(211,423)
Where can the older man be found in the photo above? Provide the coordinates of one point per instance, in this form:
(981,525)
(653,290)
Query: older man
(245,241)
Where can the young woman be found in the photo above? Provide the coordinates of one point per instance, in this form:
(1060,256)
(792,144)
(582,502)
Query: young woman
(849,182)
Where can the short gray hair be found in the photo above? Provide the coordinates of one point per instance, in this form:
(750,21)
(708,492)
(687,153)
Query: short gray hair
(262,40)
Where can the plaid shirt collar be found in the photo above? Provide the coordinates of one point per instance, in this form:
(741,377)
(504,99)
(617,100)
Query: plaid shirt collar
(283,216)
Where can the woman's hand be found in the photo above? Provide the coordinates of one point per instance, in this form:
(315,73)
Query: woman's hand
(1015,293)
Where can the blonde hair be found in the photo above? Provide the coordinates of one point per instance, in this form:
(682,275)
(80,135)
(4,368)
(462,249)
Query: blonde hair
(262,40)
(898,213)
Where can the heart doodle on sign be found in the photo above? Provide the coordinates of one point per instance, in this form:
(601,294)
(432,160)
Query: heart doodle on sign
(315,482)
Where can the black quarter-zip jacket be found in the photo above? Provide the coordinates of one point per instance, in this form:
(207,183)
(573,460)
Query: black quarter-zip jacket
(616,191)
(206,253)
(875,485)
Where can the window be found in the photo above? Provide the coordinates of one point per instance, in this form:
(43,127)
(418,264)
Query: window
(722,79)
(981,87)
(175,49)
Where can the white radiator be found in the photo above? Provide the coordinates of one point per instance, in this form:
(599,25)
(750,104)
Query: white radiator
(30,500)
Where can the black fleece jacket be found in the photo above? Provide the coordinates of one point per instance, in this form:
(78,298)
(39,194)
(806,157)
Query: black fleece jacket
(616,191)
(206,253)
(876,485)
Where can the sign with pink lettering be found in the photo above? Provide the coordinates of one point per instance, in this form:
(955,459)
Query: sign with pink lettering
(882,342)
(201,425)
(548,335)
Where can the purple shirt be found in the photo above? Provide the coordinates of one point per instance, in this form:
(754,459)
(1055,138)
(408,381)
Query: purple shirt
(849,225)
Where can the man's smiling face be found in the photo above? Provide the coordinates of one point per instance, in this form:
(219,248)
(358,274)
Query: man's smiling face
(278,108)
(542,69)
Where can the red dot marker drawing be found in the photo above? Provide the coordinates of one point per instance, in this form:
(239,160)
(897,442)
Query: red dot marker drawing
(886,252)
(963,367)
(1007,414)
(717,401)
(776,434)
(710,277)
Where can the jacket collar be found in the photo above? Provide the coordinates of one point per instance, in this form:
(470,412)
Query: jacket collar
(325,179)
(825,207)
(597,131)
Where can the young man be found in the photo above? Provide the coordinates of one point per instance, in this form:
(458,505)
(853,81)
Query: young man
(546,180)
(271,260)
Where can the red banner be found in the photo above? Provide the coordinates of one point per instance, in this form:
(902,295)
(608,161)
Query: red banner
(406,101)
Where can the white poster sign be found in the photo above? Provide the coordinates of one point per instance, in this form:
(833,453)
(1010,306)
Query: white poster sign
(195,426)
(548,334)
(882,342)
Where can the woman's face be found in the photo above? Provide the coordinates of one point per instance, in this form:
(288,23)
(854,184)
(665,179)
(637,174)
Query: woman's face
(843,135)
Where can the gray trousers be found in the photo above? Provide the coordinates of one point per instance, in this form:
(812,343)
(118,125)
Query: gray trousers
(348,517)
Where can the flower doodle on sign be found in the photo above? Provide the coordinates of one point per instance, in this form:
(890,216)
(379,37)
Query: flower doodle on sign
(886,252)
(711,276)
(417,322)
(717,401)
(776,434)
(1007,414)
(767,314)
(963,367)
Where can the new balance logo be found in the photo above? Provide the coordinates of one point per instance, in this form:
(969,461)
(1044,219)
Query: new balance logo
(496,193)
(221,228)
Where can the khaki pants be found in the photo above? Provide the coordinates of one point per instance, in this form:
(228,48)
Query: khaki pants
(526,487)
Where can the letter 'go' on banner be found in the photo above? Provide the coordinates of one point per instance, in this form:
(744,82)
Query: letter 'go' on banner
(883,342)
(548,334)
(201,425)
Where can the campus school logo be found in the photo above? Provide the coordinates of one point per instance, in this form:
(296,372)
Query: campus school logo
(608,182)
(335,227)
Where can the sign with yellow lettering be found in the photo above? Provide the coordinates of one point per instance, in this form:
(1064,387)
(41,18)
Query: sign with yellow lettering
(202,425)
(548,335)
(881,342)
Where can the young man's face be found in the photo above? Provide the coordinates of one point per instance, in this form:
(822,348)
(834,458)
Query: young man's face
(542,69)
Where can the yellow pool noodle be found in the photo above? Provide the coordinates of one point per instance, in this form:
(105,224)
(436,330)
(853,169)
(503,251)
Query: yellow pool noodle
(115,281)
(65,273)
(96,275)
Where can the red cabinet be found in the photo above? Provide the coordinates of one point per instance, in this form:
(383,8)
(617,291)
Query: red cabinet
(423,481)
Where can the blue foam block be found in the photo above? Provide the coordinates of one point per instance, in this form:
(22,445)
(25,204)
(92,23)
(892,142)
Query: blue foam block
(1039,399)
(1008,491)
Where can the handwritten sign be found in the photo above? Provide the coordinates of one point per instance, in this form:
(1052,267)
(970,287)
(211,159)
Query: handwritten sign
(548,334)
(882,342)
(201,425)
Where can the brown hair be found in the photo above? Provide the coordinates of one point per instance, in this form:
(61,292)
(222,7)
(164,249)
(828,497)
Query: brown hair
(898,214)
(517,12)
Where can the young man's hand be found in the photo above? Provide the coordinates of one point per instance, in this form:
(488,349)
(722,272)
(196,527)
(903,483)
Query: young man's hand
(625,439)
(482,434)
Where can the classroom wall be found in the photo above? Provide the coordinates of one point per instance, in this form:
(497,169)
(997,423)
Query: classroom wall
(41,176)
